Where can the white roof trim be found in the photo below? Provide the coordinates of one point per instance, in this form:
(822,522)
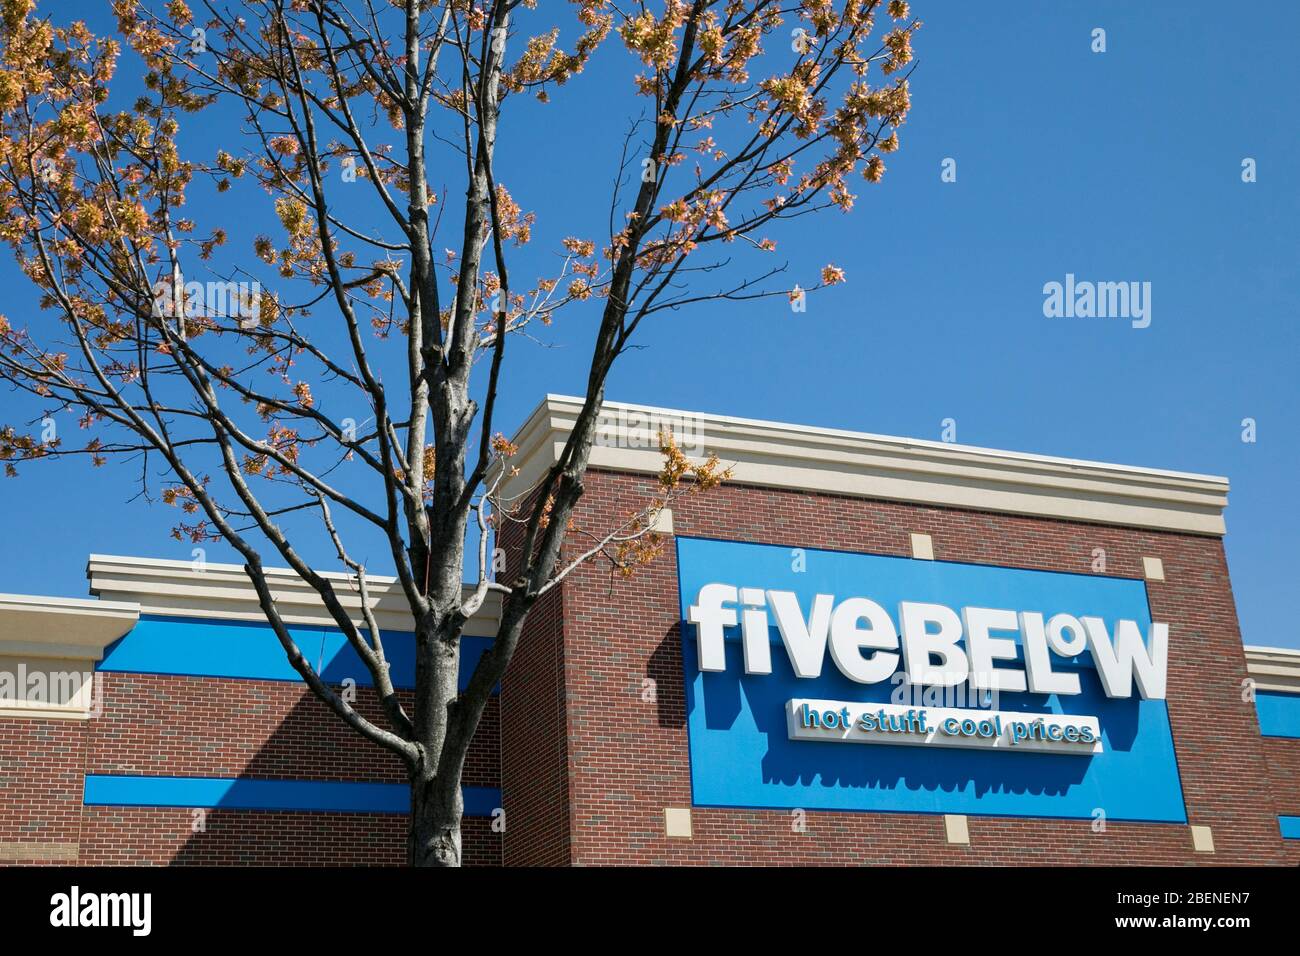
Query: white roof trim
(68,628)
(1274,668)
(181,589)
(834,461)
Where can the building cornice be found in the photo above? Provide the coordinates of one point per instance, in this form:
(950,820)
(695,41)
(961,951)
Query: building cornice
(1274,668)
(223,591)
(61,628)
(833,461)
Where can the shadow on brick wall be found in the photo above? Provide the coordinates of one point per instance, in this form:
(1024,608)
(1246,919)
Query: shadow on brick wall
(158,725)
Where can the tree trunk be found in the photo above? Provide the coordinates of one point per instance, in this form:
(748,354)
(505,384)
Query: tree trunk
(434,835)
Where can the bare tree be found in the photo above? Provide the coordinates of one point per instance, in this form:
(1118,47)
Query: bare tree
(752,112)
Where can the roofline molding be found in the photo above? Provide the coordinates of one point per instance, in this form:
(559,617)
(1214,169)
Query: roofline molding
(75,629)
(223,591)
(839,462)
(1274,668)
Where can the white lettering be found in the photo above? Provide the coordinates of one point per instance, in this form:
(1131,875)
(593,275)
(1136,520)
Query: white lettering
(919,645)
(73,909)
(805,642)
(710,617)
(1038,664)
(984,649)
(936,646)
(753,629)
(857,624)
(1127,658)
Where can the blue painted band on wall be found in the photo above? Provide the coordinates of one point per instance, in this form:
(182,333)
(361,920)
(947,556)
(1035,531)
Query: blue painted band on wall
(1290,827)
(1279,714)
(249,650)
(741,754)
(242,793)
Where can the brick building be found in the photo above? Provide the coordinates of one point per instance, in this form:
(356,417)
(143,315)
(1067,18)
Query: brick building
(709,709)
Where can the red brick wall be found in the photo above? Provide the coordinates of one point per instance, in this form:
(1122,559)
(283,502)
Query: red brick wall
(1282,754)
(626,769)
(189,726)
(253,728)
(40,784)
(133,836)
(534,733)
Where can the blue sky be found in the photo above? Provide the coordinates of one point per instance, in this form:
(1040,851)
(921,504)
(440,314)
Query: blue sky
(1115,166)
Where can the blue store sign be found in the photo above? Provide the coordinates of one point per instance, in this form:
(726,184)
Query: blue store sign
(979,690)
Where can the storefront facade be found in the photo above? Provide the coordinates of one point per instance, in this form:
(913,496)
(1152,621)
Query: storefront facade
(1046,654)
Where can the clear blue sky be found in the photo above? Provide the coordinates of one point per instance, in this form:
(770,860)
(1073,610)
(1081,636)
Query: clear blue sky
(1124,165)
